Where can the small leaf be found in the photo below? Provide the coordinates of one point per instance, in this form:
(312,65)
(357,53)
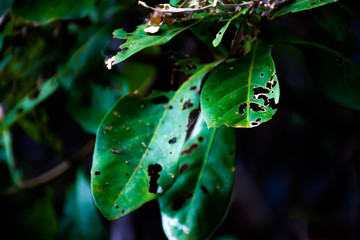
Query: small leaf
(29,102)
(196,204)
(300,5)
(336,76)
(243,92)
(138,145)
(220,34)
(138,40)
(80,219)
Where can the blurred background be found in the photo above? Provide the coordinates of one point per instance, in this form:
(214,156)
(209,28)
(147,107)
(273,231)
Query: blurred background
(296,175)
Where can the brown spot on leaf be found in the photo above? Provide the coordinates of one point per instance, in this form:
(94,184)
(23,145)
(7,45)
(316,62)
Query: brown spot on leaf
(117,151)
(183,168)
(190,150)
(187,104)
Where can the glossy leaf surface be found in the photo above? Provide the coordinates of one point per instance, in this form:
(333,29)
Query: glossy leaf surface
(138,145)
(138,40)
(197,202)
(301,5)
(242,93)
(336,76)
(80,219)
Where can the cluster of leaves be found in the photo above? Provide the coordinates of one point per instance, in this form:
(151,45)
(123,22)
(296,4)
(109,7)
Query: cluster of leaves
(172,145)
(53,88)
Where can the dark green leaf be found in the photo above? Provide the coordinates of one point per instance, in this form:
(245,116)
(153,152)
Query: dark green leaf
(4,6)
(29,102)
(138,145)
(45,11)
(80,219)
(300,5)
(197,202)
(335,75)
(138,40)
(242,93)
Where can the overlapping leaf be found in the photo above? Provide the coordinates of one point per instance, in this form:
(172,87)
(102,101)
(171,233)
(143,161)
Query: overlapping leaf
(138,145)
(197,202)
(242,93)
(301,5)
(335,75)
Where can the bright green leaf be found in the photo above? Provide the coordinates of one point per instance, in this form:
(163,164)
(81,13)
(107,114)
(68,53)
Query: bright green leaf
(80,219)
(335,75)
(138,145)
(138,40)
(221,33)
(300,5)
(45,11)
(29,102)
(242,93)
(197,202)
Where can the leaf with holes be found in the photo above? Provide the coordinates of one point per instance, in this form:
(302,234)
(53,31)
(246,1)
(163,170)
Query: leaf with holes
(242,93)
(197,202)
(300,5)
(138,145)
(335,75)
(138,40)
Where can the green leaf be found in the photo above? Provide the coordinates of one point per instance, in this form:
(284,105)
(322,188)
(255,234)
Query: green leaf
(197,202)
(29,102)
(45,11)
(80,219)
(335,75)
(138,145)
(300,5)
(242,93)
(221,33)
(138,40)
(4,6)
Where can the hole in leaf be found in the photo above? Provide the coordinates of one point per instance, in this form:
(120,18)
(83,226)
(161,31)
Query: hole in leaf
(117,151)
(207,99)
(183,168)
(97,173)
(180,201)
(160,99)
(260,90)
(204,190)
(172,141)
(19,110)
(242,108)
(190,150)
(123,211)
(116,206)
(200,139)
(254,124)
(193,88)
(34,94)
(153,172)
(272,104)
(262,75)
(256,107)
(187,104)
